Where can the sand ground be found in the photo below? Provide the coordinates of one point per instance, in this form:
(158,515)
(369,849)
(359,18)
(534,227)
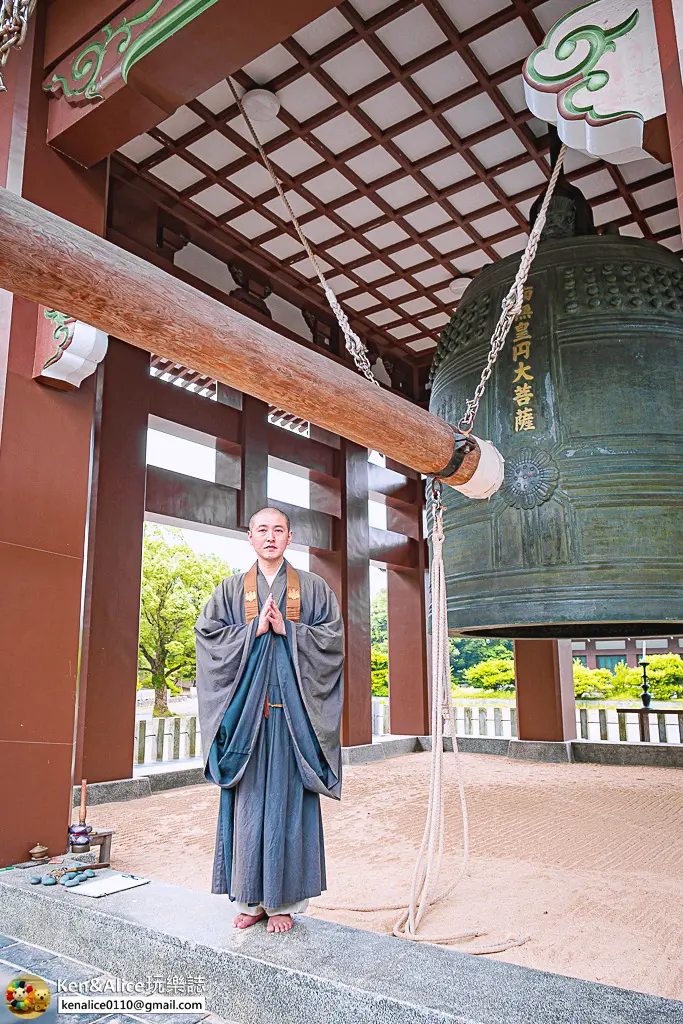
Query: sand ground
(584,859)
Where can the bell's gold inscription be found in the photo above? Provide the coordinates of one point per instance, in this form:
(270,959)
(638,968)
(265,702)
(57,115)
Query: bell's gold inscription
(523,393)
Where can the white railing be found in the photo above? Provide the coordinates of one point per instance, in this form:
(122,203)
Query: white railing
(173,739)
(616,725)
(166,739)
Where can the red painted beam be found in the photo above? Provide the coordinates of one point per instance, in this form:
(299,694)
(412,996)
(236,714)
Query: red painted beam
(177,50)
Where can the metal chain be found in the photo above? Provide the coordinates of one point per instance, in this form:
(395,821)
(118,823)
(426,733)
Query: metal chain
(512,303)
(14,15)
(353,343)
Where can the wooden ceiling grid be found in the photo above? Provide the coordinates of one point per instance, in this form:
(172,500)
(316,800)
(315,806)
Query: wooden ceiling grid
(406,150)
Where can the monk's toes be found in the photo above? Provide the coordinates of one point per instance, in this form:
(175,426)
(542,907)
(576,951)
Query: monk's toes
(279,923)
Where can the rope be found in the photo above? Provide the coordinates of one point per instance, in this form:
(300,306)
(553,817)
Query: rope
(430,854)
(353,343)
(14,15)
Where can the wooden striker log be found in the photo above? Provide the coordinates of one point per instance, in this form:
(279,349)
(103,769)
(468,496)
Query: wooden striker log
(62,266)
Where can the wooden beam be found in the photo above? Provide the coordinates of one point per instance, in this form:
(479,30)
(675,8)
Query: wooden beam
(190,500)
(176,50)
(51,261)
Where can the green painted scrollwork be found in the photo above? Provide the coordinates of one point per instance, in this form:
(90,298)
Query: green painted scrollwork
(61,334)
(84,82)
(583,74)
(163,29)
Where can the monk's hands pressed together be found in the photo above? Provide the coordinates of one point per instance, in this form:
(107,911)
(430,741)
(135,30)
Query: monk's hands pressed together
(271,616)
(263,620)
(275,617)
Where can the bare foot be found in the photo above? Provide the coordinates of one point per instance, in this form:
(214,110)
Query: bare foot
(244,920)
(280,923)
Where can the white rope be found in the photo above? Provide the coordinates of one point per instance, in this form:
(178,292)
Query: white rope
(14,15)
(429,859)
(353,343)
(428,863)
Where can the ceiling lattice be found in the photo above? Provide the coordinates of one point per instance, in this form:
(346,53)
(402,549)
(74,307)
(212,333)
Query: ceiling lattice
(408,152)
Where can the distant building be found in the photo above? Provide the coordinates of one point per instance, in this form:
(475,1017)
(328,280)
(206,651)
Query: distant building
(608,653)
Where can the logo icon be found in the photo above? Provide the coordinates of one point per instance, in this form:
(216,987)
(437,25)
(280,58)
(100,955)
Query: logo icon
(27,996)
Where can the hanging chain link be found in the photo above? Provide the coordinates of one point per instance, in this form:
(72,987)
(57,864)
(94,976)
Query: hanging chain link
(14,15)
(353,343)
(512,303)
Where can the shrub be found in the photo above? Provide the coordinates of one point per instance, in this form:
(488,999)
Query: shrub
(379,668)
(591,683)
(495,674)
(665,676)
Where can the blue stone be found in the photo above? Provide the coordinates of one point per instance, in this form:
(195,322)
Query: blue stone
(35,879)
(49,880)
(72,881)
(89,873)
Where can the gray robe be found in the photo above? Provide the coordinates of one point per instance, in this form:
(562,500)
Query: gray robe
(269,842)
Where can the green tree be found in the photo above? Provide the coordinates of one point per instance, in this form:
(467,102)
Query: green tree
(492,674)
(465,652)
(379,624)
(379,667)
(176,583)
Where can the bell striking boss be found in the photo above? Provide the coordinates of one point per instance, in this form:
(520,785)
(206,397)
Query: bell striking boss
(585,537)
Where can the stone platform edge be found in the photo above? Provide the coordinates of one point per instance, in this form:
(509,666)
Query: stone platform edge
(317,972)
(583,751)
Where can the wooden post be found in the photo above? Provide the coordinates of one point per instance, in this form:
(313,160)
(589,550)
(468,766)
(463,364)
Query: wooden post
(407,626)
(669,43)
(254,488)
(546,707)
(346,570)
(44,477)
(50,260)
(109,660)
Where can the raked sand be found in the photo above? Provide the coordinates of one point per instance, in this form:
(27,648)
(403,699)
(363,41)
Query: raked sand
(586,860)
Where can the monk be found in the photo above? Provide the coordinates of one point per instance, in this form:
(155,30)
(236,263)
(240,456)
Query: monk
(270,654)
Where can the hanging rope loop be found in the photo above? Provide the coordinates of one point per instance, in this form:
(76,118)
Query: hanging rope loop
(353,343)
(428,864)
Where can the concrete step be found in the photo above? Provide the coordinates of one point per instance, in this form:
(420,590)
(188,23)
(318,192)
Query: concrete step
(317,972)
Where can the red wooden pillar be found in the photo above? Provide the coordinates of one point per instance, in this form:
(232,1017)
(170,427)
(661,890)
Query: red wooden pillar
(254,486)
(45,443)
(106,699)
(347,571)
(669,58)
(546,708)
(408,683)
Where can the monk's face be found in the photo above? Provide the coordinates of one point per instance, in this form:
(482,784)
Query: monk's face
(269,535)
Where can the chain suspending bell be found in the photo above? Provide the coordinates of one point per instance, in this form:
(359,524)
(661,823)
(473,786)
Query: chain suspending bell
(14,16)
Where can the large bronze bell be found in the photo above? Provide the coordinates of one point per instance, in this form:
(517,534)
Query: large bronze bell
(585,537)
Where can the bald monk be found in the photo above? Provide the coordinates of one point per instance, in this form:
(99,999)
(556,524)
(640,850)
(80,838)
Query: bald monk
(270,654)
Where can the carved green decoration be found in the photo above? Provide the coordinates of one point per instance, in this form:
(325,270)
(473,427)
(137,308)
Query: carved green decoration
(61,333)
(584,73)
(86,68)
(85,79)
(162,29)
